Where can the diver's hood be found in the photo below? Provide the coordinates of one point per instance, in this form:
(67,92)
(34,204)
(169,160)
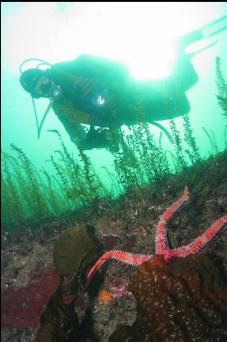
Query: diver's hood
(29,78)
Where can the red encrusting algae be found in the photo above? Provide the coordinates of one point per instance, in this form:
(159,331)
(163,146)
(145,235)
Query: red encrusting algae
(21,307)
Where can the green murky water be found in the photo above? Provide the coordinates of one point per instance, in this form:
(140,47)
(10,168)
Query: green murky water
(45,177)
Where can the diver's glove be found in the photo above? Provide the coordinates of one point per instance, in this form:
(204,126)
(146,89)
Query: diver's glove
(81,132)
(99,138)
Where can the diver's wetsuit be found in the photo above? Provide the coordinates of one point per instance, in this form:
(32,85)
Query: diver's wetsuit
(101,93)
(166,99)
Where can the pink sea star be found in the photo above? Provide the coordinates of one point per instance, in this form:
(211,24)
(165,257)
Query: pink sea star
(161,242)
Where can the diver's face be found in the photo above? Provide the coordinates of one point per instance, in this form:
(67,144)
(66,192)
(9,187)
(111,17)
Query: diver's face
(43,87)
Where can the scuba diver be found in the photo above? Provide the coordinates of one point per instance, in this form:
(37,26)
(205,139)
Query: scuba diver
(101,93)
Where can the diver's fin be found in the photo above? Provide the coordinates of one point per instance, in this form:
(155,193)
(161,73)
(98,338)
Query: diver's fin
(192,54)
(205,32)
(216,32)
(211,25)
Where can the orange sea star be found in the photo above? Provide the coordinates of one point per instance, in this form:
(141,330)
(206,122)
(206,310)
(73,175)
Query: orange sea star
(161,241)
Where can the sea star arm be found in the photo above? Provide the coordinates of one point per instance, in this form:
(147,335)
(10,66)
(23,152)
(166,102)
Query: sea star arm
(161,243)
(198,243)
(161,230)
(125,257)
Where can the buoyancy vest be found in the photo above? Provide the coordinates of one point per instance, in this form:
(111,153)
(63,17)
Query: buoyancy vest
(98,95)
